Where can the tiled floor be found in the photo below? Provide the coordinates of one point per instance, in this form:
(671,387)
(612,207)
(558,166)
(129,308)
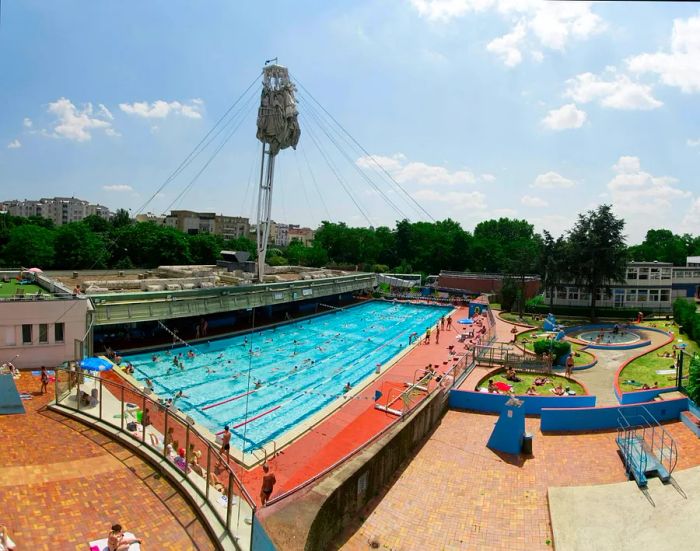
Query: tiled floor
(63,484)
(457,494)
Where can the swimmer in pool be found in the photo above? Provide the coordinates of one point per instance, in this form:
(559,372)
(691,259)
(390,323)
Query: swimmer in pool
(258,383)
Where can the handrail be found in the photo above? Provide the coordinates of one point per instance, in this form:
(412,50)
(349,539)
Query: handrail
(144,397)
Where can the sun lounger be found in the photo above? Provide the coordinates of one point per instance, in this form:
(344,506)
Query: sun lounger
(101,545)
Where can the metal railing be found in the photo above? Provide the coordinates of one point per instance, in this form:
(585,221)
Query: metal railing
(166,432)
(645,445)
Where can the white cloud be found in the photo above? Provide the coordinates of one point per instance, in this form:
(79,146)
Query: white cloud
(27,122)
(643,199)
(616,92)
(120,188)
(507,48)
(161,109)
(535,24)
(76,124)
(556,224)
(691,220)
(532,201)
(487,178)
(456,199)
(552,180)
(405,171)
(693,143)
(680,65)
(566,117)
(445,10)
(14,144)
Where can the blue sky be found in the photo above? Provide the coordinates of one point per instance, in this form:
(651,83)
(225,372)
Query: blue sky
(478,108)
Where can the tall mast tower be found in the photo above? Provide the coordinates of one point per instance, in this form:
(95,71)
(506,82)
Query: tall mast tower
(278,129)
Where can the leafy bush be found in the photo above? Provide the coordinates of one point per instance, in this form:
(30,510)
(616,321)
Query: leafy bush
(584,311)
(380,268)
(509,294)
(684,314)
(694,379)
(558,348)
(537,300)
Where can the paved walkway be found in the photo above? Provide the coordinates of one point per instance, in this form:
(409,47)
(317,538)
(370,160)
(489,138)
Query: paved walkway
(63,484)
(457,494)
(619,516)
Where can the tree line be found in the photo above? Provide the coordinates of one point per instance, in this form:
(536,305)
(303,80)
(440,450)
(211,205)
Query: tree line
(591,253)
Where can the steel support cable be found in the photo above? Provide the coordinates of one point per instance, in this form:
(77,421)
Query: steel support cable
(315,182)
(367,153)
(196,151)
(354,150)
(303,182)
(337,175)
(211,158)
(347,157)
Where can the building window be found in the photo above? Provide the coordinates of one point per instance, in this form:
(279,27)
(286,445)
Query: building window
(643,273)
(43,332)
(561,293)
(26,333)
(654,273)
(631,295)
(58,332)
(665,295)
(642,295)
(653,295)
(573,293)
(666,273)
(631,273)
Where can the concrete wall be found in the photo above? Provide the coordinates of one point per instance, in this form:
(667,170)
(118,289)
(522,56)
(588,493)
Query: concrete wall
(311,520)
(13,314)
(493,403)
(587,419)
(261,541)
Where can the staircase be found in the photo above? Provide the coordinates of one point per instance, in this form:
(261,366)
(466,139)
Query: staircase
(646,447)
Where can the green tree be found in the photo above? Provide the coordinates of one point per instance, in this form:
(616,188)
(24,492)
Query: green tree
(204,248)
(78,247)
(121,218)
(693,387)
(96,223)
(601,254)
(28,246)
(553,263)
(148,245)
(661,245)
(242,244)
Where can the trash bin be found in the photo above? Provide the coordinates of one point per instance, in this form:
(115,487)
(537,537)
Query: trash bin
(527,444)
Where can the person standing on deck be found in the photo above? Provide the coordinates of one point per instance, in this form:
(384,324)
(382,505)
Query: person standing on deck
(437,334)
(449,322)
(268,483)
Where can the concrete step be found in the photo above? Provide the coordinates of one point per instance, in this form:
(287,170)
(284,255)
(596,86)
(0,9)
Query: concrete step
(672,395)
(691,421)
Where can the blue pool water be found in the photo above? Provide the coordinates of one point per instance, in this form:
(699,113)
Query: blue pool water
(303,366)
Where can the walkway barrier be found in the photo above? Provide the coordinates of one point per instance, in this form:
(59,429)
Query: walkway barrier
(493,403)
(142,421)
(645,445)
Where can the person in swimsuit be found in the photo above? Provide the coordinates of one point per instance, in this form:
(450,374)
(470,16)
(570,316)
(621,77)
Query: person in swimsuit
(117,541)
(268,483)
(226,442)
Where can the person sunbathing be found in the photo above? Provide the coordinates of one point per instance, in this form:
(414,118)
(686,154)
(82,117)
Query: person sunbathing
(539,381)
(493,389)
(512,376)
(532,391)
(117,540)
(663,355)
(558,390)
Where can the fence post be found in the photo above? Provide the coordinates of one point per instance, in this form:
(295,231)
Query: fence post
(143,413)
(165,433)
(208,471)
(100,398)
(121,421)
(229,493)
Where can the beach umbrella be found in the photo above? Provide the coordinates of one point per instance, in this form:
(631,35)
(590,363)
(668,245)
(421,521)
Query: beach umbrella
(35,270)
(95,364)
(466,321)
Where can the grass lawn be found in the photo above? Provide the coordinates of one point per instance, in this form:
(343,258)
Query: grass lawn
(643,369)
(10,289)
(583,358)
(527,378)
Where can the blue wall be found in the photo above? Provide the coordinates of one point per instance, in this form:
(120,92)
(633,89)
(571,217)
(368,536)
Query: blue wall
(261,541)
(576,420)
(493,403)
(640,396)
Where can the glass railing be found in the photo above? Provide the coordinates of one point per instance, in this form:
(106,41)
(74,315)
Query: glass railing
(196,462)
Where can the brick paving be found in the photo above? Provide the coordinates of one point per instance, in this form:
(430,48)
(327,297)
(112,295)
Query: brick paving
(457,494)
(63,484)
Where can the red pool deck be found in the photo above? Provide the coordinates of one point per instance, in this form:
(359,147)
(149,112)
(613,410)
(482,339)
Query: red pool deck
(356,422)
(63,484)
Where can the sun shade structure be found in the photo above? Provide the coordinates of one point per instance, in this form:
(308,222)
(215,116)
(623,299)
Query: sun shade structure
(278,128)
(95,364)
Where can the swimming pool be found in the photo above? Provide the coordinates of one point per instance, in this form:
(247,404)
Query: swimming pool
(609,337)
(302,367)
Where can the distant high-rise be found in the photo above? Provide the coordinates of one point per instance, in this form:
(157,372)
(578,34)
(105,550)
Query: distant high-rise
(62,210)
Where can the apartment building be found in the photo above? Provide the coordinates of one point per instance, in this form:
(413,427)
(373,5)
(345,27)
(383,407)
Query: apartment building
(648,285)
(229,227)
(61,210)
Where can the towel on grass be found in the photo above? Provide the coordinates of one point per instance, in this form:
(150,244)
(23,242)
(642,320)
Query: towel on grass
(500,385)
